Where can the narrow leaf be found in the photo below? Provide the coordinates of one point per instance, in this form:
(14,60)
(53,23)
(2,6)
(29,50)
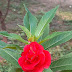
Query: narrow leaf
(25,30)
(45,33)
(32,20)
(51,36)
(57,40)
(13,46)
(13,69)
(67,71)
(64,63)
(11,56)
(46,19)
(17,37)
(26,21)
(48,70)
(13,36)
(2,44)
(4,33)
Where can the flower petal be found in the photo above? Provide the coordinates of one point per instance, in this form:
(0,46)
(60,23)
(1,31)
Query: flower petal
(30,66)
(38,69)
(26,49)
(47,59)
(42,58)
(36,46)
(21,61)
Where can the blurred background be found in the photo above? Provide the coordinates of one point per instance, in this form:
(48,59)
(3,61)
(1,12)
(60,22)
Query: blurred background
(12,13)
(16,12)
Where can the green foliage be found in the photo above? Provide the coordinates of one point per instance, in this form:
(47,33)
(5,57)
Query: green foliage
(25,30)
(4,67)
(17,37)
(58,39)
(2,44)
(13,69)
(4,33)
(13,46)
(30,21)
(53,35)
(45,33)
(26,21)
(48,70)
(11,56)
(13,36)
(50,36)
(46,19)
(64,63)
(67,71)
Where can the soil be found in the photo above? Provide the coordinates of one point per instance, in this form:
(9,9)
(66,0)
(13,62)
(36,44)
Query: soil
(36,7)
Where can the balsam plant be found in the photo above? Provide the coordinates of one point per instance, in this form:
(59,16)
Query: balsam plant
(37,32)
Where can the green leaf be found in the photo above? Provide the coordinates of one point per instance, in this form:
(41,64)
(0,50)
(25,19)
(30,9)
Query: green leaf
(67,71)
(25,30)
(51,36)
(46,19)
(45,33)
(26,21)
(48,70)
(13,69)
(19,70)
(2,44)
(32,20)
(13,46)
(68,55)
(13,36)
(57,40)
(17,37)
(11,56)
(64,63)
(4,33)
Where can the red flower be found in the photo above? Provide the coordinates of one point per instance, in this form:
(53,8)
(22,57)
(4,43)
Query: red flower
(34,58)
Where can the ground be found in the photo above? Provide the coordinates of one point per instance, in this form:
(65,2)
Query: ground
(38,7)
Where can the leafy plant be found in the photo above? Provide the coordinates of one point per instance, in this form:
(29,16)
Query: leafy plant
(39,32)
